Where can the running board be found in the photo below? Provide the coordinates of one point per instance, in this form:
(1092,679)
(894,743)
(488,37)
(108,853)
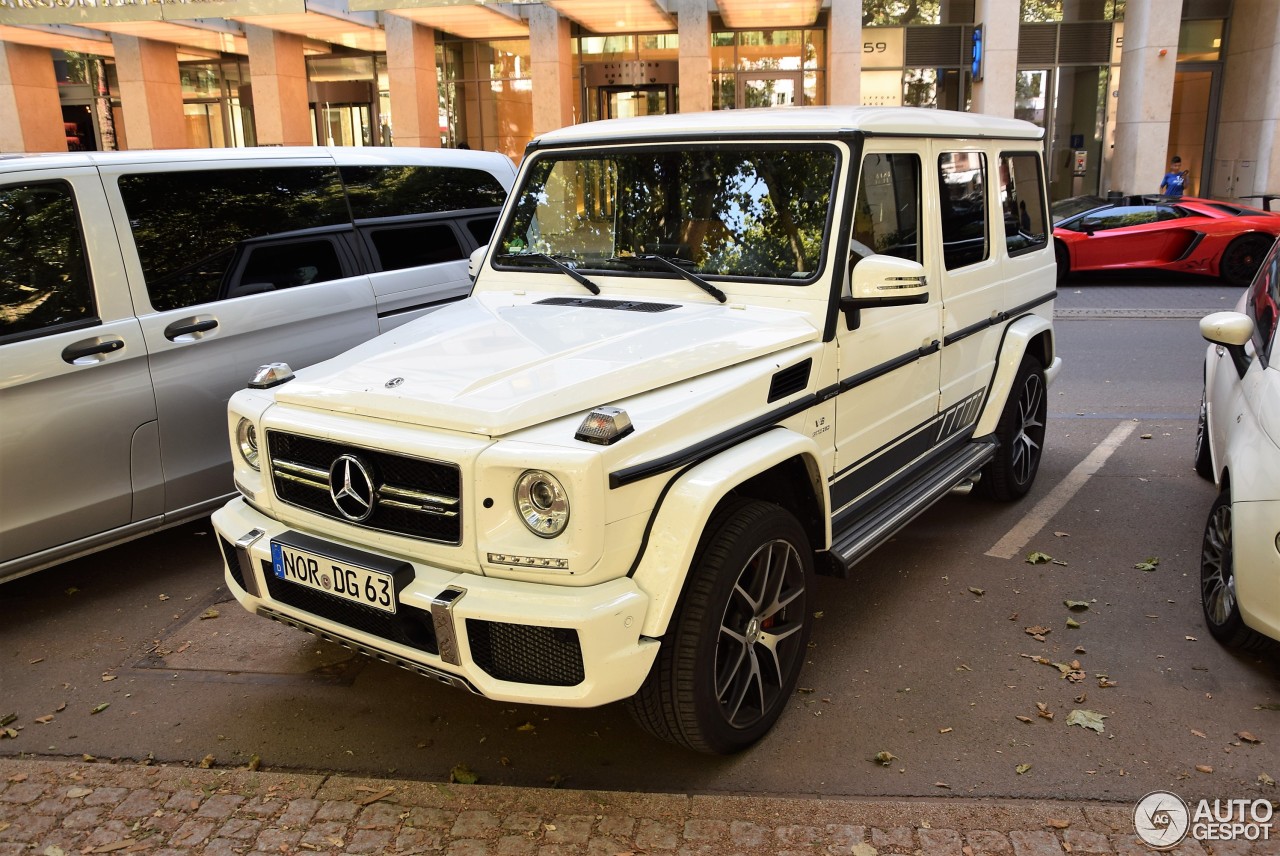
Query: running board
(855,542)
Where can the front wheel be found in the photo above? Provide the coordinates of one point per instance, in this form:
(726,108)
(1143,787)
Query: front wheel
(1204,457)
(733,653)
(1218,581)
(1020,432)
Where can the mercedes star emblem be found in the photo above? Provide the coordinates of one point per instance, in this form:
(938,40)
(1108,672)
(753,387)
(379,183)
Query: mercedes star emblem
(351,487)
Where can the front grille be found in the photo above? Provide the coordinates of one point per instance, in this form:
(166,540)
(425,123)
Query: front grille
(409,626)
(548,656)
(415,497)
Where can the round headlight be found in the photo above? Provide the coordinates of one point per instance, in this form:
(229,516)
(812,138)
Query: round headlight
(247,442)
(542,503)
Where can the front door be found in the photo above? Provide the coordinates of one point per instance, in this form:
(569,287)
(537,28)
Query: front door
(618,102)
(770,89)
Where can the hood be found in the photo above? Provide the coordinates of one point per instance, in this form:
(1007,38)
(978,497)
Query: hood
(498,362)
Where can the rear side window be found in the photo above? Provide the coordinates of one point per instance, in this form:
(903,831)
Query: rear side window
(1022,199)
(191,227)
(44,282)
(886,216)
(415,245)
(1119,218)
(393,191)
(962,191)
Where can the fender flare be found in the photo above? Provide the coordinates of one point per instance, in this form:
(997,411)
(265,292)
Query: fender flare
(1017,341)
(683,513)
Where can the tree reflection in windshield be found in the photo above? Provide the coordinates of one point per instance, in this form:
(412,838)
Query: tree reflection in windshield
(716,210)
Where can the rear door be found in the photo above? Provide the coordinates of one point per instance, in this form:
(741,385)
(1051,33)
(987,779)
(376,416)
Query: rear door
(78,451)
(233,264)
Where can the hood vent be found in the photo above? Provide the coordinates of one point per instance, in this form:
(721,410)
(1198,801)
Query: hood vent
(790,380)
(597,303)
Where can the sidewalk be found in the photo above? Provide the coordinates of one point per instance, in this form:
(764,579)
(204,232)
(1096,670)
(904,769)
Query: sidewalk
(55,807)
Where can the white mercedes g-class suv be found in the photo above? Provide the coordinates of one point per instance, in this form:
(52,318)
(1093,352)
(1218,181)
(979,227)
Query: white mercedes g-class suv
(705,357)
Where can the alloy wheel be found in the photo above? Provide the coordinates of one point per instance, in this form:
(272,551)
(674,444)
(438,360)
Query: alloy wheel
(1217,579)
(1030,437)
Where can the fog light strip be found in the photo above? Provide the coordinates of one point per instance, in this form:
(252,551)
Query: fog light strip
(442,617)
(243,543)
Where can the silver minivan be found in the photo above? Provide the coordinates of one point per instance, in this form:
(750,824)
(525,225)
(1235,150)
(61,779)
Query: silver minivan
(138,290)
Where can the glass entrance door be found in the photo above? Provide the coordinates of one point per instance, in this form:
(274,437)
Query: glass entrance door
(770,89)
(343,125)
(1195,97)
(618,102)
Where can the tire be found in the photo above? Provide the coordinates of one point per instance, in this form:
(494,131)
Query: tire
(1242,257)
(1011,473)
(1064,261)
(1218,582)
(1204,455)
(730,660)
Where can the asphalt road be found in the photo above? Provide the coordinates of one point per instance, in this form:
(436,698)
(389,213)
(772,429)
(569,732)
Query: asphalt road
(924,654)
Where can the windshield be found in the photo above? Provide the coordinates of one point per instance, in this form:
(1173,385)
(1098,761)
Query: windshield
(1065,208)
(724,210)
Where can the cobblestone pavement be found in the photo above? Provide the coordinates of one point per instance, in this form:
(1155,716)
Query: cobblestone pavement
(53,807)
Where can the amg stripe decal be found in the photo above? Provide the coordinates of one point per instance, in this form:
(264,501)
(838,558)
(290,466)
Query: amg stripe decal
(998,318)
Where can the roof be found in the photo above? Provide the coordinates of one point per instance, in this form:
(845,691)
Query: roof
(783,121)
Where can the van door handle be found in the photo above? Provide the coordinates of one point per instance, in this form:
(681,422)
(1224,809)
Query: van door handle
(189,326)
(90,348)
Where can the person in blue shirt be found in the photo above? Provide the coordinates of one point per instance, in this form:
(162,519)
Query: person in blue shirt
(1175,180)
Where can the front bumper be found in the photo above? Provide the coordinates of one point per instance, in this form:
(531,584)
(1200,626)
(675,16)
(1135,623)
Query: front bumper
(504,639)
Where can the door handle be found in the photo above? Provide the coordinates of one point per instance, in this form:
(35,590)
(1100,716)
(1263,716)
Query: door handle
(90,348)
(189,326)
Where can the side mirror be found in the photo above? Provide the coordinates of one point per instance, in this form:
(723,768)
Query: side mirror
(883,281)
(1230,330)
(476,259)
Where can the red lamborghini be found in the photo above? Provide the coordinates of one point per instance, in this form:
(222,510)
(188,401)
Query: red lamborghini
(1165,233)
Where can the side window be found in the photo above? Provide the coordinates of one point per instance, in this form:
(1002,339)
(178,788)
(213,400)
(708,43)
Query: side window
(1263,304)
(962,191)
(416,245)
(1118,218)
(193,228)
(481,229)
(1022,200)
(886,215)
(44,282)
(275,266)
(392,191)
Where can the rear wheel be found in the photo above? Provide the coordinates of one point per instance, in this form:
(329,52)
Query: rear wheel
(1204,457)
(731,658)
(1218,581)
(1242,257)
(1021,434)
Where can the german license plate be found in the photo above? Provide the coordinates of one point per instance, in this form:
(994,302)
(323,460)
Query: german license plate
(334,577)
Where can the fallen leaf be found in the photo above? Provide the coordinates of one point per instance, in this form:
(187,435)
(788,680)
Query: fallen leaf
(945,785)
(254,763)
(526,727)
(1264,779)
(1042,710)
(819,614)
(1268,706)
(1076,605)
(37,660)
(884,759)
(1036,630)
(1038,558)
(106,678)
(17,778)
(76,793)
(7,719)
(1191,639)
(1057,823)
(1022,768)
(45,720)
(979,592)
(4,825)
(462,775)
(207,762)
(1087,719)
(1025,719)
(60,708)
(945,730)
(1247,737)
(1200,734)
(8,734)
(1105,682)
(1148,564)
(100,708)
(1204,768)
(164,597)
(334,840)
(209,613)
(373,798)
(1073,624)
(1144,436)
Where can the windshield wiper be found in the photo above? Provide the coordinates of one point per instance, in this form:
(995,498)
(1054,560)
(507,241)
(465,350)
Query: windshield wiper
(664,262)
(555,261)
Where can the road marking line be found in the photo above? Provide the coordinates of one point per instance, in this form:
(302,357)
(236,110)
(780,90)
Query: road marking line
(1016,538)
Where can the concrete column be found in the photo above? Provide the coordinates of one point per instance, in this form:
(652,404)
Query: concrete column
(1147,68)
(1249,121)
(694,25)
(996,93)
(278,72)
(551,64)
(150,93)
(29,101)
(844,53)
(415,94)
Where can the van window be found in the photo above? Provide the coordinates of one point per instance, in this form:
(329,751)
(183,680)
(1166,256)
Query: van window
(962,192)
(1022,199)
(886,216)
(44,283)
(481,229)
(392,191)
(415,245)
(189,226)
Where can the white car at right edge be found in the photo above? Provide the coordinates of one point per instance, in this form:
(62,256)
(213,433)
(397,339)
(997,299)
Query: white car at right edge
(1238,446)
